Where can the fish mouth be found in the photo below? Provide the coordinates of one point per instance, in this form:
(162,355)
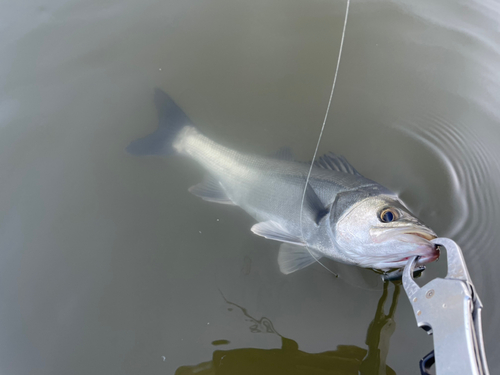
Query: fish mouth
(425,235)
(410,233)
(401,263)
(425,248)
(420,236)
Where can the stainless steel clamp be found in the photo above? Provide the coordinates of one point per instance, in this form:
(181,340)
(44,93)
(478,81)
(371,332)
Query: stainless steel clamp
(450,310)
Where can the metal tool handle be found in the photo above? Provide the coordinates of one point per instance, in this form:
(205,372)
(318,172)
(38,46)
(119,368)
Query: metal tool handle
(450,310)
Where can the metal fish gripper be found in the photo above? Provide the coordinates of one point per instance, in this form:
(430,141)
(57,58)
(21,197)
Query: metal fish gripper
(449,309)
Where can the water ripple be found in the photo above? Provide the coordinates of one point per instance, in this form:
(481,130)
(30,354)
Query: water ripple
(471,162)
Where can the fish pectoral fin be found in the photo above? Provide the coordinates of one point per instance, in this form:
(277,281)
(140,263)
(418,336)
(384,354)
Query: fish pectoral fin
(292,258)
(275,231)
(211,190)
(335,163)
(315,209)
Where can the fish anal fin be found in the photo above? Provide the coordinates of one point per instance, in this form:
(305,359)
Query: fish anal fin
(274,231)
(292,258)
(211,190)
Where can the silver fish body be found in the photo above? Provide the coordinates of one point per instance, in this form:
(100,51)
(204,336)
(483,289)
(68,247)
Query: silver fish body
(338,217)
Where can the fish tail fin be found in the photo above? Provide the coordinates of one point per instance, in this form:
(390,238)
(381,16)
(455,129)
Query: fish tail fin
(171,121)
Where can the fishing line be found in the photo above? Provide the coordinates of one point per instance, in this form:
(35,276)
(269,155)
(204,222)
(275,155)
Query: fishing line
(321,135)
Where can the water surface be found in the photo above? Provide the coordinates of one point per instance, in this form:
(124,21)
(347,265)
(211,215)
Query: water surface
(108,265)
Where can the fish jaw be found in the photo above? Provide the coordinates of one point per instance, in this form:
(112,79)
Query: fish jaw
(393,253)
(427,254)
(415,240)
(389,248)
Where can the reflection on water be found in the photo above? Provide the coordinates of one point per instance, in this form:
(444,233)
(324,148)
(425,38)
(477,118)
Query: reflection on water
(345,360)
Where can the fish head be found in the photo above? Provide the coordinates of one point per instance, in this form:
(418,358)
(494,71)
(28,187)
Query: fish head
(379,232)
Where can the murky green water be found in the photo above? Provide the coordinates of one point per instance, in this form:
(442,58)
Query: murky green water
(108,265)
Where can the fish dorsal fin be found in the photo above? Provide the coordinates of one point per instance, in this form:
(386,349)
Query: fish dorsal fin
(335,163)
(292,258)
(210,190)
(284,153)
(275,231)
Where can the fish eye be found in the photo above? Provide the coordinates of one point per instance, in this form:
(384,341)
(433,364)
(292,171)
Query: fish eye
(388,215)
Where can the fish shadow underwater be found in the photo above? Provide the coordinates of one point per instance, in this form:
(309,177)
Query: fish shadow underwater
(345,360)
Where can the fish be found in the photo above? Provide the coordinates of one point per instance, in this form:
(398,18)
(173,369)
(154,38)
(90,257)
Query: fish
(340,214)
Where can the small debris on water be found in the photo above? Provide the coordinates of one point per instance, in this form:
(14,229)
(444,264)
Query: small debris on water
(199,231)
(164,358)
(247,265)
(220,342)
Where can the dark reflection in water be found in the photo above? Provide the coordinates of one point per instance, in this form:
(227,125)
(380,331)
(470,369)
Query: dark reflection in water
(345,360)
